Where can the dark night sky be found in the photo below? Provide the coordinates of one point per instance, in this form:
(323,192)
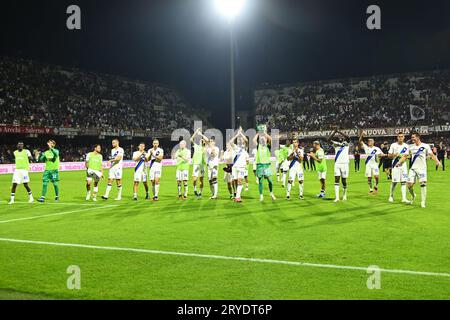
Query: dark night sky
(185,43)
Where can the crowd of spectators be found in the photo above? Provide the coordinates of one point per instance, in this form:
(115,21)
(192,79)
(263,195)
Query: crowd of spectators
(380,101)
(37,94)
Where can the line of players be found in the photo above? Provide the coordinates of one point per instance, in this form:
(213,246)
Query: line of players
(400,152)
(207,156)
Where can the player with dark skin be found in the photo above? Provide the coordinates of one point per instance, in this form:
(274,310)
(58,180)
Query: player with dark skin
(20,147)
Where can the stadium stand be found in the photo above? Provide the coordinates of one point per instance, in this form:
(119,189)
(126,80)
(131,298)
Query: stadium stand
(381,101)
(37,94)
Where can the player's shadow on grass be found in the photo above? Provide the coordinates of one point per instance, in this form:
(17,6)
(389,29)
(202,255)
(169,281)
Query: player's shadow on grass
(335,216)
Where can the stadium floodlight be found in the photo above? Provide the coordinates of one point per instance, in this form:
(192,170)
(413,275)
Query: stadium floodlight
(229,8)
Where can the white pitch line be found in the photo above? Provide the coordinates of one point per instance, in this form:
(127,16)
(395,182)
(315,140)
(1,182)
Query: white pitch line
(55,214)
(218,257)
(58,203)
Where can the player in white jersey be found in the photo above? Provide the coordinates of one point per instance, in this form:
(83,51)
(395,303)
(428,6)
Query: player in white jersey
(115,171)
(22,158)
(227,158)
(397,151)
(140,172)
(295,159)
(212,163)
(341,163)
(418,152)
(373,153)
(155,156)
(239,162)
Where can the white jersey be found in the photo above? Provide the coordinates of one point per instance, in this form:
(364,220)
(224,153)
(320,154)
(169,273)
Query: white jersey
(372,155)
(153,155)
(419,154)
(114,153)
(140,163)
(341,150)
(401,150)
(295,163)
(240,157)
(228,156)
(212,156)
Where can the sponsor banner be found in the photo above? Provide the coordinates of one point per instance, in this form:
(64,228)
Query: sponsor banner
(67,131)
(73,166)
(370,132)
(7,128)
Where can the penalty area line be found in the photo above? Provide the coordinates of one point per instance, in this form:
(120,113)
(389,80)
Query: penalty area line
(56,214)
(219,257)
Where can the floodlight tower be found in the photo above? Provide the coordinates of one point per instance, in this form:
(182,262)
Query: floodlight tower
(230,10)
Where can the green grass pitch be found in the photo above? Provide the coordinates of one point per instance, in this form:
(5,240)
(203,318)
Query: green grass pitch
(365,230)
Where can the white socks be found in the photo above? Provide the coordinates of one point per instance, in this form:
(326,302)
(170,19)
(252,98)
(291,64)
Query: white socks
(108,190)
(238,191)
(215,188)
(288,189)
(336,190)
(423,193)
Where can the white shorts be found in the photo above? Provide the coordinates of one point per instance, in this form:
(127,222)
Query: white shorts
(140,176)
(20,176)
(372,171)
(285,166)
(228,178)
(417,175)
(93,175)
(341,170)
(182,175)
(155,171)
(399,174)
(322,175)
(212,173)
(296,173)
(198,170)
(238,173)
(115,173)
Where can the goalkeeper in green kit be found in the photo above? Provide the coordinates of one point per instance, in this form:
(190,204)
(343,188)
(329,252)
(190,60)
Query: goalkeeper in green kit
(51,173)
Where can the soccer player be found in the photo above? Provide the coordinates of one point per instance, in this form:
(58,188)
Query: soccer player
(115,171)
(295,159)
(239,162)
(319,155)
(373,153)
(22,159)
(94,171)
(199,163)
(155,155)
(396,152)
(51,173)
(212,163)
(418,152)
(263,171)
(227,158)
(341,163)
(182,156)
(140,174)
